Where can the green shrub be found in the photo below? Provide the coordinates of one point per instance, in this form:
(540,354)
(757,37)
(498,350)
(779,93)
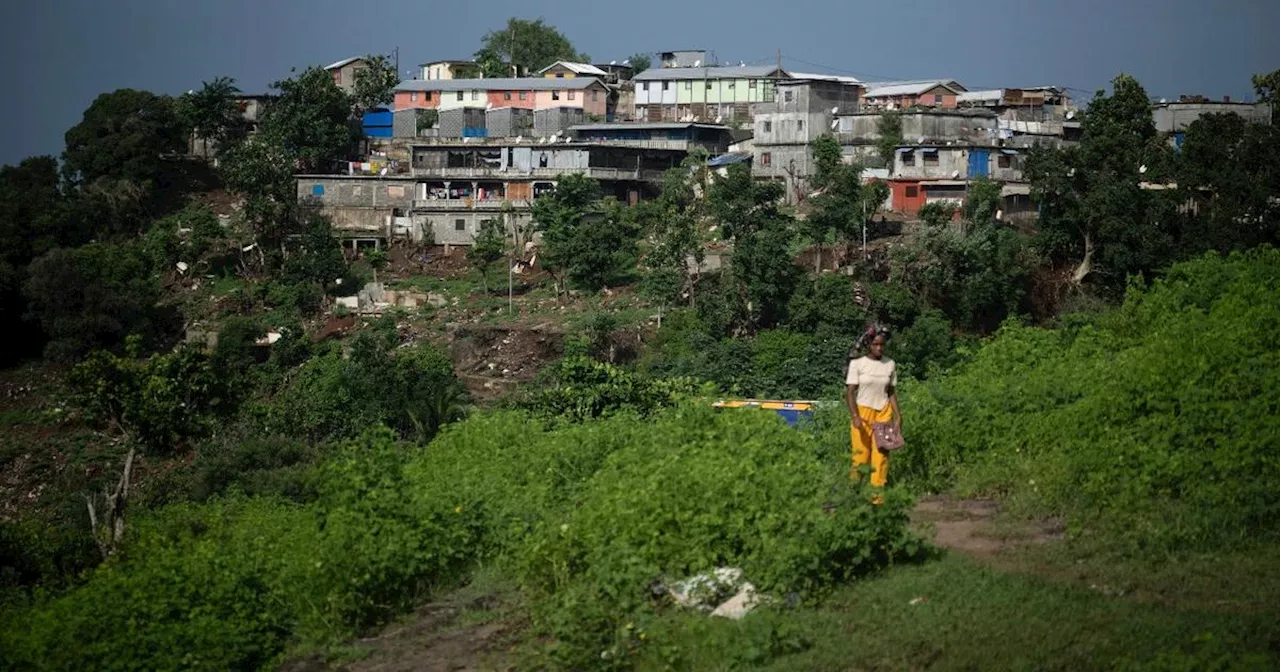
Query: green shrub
(1155,422)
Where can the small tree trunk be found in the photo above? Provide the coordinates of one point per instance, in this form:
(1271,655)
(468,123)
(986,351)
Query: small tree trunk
(110,533)
(817,258)
(1086,265)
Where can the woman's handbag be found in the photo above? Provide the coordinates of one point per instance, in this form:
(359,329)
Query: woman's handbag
(887,436)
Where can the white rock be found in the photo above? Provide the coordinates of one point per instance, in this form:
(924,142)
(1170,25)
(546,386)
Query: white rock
(739,605)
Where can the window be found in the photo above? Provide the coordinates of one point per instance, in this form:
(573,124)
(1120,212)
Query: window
(459,225)
(768,126)
(913,192)
(426,96)
(751,84)
(708,86)
(644,86)
(732,85)
(665,85)
(413,97)
(572,95)
(555,95)
(930,158)
(1004,161)
(475,95)
(506,95)
(799,124)
(595,96)
(459,95)
(937,99)
(786,96)
(766,159)
(907,158)
(559,75)
(524,95)
(688,86)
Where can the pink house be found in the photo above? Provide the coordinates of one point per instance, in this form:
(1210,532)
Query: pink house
(538,93)
(930,93)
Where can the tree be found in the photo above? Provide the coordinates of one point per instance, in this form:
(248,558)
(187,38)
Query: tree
(762,267)
(1230,168)
(377,260)
(310,121)
(672,223)
(1094,212)
(982,202)
(488,246)
(840,208)
(213,114)
(153,405)
(531,44)
(559,216)
(1267,87)
(123,135)
(640,62)
(889,136)
(375,83)
(92,297)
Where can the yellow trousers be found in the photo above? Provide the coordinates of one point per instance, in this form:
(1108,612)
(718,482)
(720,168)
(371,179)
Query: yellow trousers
(864,445)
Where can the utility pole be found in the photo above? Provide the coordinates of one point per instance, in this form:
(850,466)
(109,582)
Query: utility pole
(396,51)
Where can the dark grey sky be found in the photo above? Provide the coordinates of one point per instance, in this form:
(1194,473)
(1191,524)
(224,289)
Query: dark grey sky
(63,53)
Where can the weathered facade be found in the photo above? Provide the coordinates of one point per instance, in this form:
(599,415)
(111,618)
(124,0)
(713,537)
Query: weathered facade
(941,93)
(784,130)
(537,93)
(707,94)
(450,188)
(344,72)
(924,174)
(1175,117)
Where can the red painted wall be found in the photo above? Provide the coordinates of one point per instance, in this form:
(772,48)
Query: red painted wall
(904,203)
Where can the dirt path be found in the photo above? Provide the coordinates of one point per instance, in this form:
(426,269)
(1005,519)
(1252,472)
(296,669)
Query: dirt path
(458,634)
(971,527)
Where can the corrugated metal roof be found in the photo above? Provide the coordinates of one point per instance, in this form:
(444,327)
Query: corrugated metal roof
(882,89)
(719,72)
(643,126)
(977,96)
(345,61)
(728,159)
(828,78)
(500,84)
(579,68)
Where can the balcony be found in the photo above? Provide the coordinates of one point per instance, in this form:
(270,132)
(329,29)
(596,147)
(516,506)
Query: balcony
(534,173)
(454,204)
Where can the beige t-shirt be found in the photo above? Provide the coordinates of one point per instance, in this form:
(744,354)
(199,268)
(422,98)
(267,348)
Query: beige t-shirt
(873,378)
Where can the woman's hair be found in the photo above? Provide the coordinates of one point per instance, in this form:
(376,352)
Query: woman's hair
(874,329)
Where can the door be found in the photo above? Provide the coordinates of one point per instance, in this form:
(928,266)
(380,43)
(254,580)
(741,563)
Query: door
(979,160)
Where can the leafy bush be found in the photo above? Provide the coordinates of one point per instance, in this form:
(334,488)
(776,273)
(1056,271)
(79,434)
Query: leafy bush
(413,390)
(1155,422)
(588,516)
(581,388)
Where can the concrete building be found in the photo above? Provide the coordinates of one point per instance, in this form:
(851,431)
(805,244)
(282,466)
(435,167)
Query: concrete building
(250,107)
(663,135)
(683,58)
(803,110)
(450,187)
(704,94)
(534,93)
(1175,117)
(940,93)
(1035,103)
(940,173)
(344,72)
(452,70)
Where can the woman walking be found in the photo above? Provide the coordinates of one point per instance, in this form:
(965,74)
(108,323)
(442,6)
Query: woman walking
(871,393)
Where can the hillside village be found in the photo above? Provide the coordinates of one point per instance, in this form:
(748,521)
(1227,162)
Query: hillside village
(453,146)
(553,363)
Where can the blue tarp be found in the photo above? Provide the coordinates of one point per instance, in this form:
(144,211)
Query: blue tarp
(728,159)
